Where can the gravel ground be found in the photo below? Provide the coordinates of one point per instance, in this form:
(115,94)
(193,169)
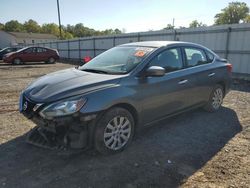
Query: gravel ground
(195,149)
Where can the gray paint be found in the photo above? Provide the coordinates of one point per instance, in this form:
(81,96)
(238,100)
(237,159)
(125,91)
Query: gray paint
(151,97)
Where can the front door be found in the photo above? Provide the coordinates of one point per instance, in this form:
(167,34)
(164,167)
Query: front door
(28,55)
(167,94)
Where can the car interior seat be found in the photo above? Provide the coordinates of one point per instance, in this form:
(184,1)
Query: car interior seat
(196,59)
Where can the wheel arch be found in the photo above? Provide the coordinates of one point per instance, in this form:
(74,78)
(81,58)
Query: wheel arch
(17,58)
(221,83)
(130,108)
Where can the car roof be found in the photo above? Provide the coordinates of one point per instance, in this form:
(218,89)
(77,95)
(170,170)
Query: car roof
(158,44)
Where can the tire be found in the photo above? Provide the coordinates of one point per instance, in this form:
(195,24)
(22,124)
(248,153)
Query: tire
(114,131)
(215,99)
(51,60)
(17,61)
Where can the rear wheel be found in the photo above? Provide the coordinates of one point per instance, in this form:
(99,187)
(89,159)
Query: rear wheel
(215,100)
(114,131)
(51,60)
(17,61)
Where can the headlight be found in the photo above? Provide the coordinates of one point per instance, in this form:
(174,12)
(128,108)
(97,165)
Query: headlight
(62,108)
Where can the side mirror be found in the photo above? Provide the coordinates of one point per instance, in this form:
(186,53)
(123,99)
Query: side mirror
(155,71)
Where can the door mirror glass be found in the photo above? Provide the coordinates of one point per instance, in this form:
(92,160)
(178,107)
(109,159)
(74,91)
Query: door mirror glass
(155,71)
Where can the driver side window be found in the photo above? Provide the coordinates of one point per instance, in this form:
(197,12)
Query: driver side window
(170,60)
(30,50)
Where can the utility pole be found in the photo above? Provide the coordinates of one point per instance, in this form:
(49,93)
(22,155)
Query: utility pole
(59,19)
(173,23)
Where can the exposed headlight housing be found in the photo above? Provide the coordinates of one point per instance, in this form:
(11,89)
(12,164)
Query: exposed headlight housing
(63,108)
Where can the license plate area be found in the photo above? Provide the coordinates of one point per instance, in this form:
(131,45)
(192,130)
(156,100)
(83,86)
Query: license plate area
(21,103)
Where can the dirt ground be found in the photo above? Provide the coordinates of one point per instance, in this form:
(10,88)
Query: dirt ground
(195,149)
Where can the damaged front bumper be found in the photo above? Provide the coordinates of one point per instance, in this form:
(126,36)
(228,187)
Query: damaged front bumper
(74,131)
(63,133)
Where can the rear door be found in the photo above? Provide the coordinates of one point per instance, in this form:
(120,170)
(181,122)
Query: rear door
(199,68)
(167,94)
(42,54)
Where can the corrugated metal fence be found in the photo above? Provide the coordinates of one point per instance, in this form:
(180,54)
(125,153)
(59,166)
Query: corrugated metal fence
(228,41)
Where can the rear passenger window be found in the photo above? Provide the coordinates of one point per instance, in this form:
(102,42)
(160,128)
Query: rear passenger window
(39,50)
(195,57)
(169,59)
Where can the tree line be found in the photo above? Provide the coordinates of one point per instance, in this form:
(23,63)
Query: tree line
(234,13)
(68,32)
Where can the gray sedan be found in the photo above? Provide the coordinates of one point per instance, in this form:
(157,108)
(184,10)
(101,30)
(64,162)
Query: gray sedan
(131,86)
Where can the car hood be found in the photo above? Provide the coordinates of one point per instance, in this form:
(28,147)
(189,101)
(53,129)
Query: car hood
(9,54)
(67,83)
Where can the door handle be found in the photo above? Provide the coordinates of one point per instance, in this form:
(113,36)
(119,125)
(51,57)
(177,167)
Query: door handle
(211,74)
(182,82)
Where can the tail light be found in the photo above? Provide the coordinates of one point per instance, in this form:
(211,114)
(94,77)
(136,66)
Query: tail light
(229,67)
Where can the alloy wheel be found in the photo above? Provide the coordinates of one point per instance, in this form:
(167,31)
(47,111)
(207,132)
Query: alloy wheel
(51,60)
(217,98)
(117,133)
(17,61)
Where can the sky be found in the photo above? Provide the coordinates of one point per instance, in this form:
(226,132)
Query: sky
(131,15)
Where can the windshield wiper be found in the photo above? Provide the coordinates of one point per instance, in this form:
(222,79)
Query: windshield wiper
(96,71)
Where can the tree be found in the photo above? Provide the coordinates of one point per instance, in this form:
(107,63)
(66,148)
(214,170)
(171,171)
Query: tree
(67,35)
(68,32)
(13,26)
(232,14)
(247,19)
(195,24)
(169,26)
(117,31)
(50,28)
(1,26)
(32,26)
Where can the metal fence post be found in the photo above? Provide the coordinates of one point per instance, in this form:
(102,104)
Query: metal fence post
(175,33)
(68,50)
(79,48)
(114,41)
(138,37)
(94,46)
(227,42)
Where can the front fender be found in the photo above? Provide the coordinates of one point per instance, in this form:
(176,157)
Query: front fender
(103,99)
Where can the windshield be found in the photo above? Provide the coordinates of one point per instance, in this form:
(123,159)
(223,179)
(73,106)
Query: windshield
(118,60)
(4,49)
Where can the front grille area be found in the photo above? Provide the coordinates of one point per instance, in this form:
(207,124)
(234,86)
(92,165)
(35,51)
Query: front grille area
(27,107)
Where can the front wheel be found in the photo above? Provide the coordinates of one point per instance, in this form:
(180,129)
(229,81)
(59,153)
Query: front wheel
(215,100)
(114,131)
(17,61)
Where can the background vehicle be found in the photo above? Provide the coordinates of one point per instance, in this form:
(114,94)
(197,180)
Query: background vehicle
(7,50)
(104,102)
(32,54)
(85,59)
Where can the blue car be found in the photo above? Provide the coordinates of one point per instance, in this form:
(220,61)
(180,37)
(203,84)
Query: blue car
(104,102)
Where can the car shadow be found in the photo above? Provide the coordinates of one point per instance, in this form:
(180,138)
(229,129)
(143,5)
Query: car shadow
(241,85)
(164,155)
